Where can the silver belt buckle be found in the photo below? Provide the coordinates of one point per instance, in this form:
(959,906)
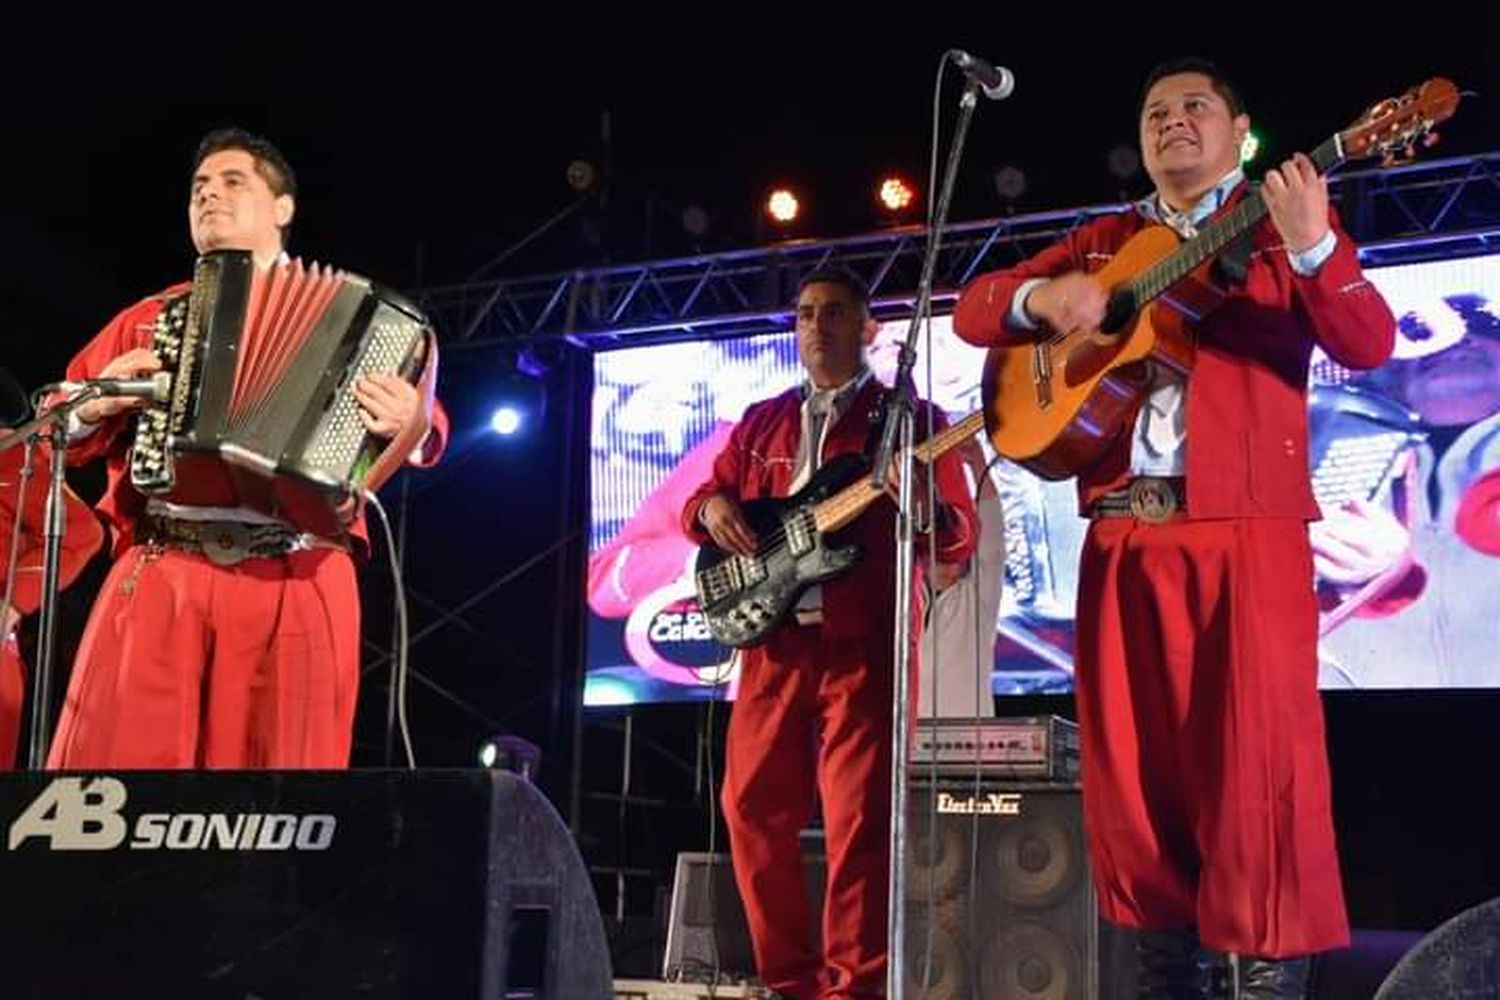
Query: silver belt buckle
(1152,500)
(228,544)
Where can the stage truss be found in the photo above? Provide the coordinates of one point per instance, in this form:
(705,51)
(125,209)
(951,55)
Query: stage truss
(1443,207)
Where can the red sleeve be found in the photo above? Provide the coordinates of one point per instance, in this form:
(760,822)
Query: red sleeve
(724,478)
(958,530)
(435,442)
(129,329)
(1351,319)
(980,315)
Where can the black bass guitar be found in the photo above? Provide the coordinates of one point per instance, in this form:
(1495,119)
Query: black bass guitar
(744,597)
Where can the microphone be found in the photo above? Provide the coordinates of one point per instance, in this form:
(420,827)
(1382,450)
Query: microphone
(157,388)
(997,82)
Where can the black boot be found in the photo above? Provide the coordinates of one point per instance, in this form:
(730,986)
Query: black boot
(1170,966)
(1253,978)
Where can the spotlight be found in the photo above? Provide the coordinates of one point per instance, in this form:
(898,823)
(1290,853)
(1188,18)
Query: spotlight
(895,194)
(582,176)
(1124,162)
(1249,146)
(511,753)
(782,206)
(1010,182)
(506,420)
(695,220)
(519,393)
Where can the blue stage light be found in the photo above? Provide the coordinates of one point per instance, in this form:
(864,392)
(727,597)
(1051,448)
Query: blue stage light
(506,420)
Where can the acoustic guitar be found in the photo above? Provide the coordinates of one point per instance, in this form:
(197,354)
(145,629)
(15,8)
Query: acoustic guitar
(1055,405)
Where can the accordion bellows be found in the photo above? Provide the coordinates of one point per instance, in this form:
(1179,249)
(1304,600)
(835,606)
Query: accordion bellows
(262,412)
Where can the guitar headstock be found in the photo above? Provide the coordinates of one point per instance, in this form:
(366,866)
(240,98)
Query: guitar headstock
(1392,128)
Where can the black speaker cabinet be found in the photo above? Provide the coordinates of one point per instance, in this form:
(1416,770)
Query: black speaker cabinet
(999,901)
(1458,961)
(293,884)
(707,938)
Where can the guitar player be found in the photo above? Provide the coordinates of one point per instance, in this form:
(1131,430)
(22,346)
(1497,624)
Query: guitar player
(1206,789)
(812,719)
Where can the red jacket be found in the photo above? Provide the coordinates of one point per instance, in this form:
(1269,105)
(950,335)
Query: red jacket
(758,462)
(121,504)
(1246,399)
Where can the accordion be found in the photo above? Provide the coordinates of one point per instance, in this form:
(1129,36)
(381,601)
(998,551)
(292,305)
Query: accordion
(261,412)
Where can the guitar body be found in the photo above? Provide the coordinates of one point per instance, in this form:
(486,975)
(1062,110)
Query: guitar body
(1055,405)
(744,598)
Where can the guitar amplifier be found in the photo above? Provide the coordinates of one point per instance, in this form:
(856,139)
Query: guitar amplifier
(224,884)
(1037,748)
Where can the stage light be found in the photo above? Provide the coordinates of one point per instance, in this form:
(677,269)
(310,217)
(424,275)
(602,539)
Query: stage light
(506,420)
(582,176)
(1249,146)
(782,206)
(1010,182)
(1124,162)
(895,194)
(507,752)
(518,396)
(695,220)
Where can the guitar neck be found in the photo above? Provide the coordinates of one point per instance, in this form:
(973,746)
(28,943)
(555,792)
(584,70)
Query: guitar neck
(851,501)
(1218,234)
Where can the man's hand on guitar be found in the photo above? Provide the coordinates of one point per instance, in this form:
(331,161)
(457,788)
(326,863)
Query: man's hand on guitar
(1296,198)
(726,525)
(921,488)
(1068,302)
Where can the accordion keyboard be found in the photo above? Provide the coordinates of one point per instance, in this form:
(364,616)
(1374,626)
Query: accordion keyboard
(388,344)
(150,458)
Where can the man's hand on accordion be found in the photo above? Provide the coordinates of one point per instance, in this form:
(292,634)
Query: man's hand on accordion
(390,405)
(134,363)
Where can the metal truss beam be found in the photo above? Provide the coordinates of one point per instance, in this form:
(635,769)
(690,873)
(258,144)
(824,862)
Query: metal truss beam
(1420,210)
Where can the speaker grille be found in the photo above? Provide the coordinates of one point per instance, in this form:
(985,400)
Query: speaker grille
(998,897)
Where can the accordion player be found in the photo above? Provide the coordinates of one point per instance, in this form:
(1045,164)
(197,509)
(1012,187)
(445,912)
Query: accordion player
(261,411)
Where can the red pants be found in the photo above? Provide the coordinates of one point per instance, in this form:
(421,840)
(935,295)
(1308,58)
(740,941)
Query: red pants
(188,664)
(1205,775)
(12,698)
(813,717)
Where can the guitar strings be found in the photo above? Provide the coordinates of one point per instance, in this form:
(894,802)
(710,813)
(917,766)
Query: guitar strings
(717,574)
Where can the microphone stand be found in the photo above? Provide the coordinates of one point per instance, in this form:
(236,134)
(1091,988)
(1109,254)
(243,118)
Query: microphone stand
(51,425)
(900,412)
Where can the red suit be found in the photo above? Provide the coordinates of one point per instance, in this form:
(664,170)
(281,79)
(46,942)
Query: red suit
(188,663)
(82,537)
(1205,773)
(813,719)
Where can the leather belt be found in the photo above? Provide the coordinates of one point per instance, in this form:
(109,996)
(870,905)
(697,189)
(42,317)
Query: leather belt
(1153,499)
(228,543)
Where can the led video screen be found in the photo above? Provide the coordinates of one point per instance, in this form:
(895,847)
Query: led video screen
(1405,462)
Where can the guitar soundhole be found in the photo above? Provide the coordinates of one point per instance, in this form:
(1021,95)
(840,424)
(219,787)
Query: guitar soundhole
(1119,311)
